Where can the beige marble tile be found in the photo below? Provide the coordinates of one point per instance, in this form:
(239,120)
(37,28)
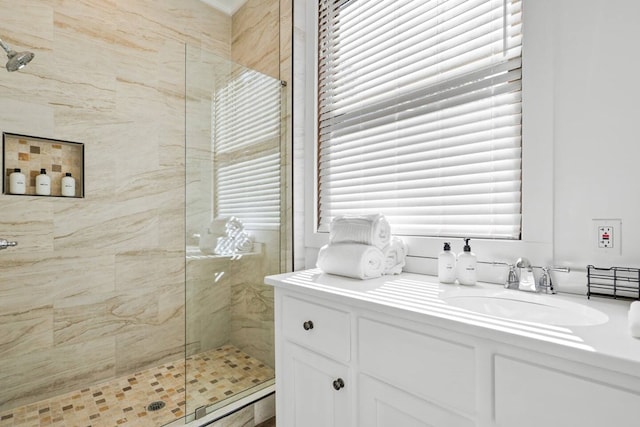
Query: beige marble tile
(208,295)
(36,375)
(150,345)
(25,331)
(85,318)
(37,280)
(252,327)
(252,323)
(108,226)
(146,269)
(255,36)
(25,117)
(29,221)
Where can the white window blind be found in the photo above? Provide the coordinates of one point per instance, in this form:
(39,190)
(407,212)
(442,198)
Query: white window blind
(246,141)
(419,114)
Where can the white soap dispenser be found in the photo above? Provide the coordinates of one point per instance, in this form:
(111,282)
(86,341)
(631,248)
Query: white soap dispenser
(17,182)
(68,185)
(446,265)
(466,267)
(43,184)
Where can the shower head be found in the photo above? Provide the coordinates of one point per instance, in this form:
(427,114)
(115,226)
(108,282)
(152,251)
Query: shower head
(17,60)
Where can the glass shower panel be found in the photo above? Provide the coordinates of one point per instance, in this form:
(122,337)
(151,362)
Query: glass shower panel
(233,222)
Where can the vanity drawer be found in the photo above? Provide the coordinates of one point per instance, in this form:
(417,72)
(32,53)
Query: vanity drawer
(435,369)
(317,327)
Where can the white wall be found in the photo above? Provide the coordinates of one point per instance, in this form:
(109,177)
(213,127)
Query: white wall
(581,93)
(597,111)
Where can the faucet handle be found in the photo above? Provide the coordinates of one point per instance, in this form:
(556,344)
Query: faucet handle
(545,284)
(512,278)
(4,244)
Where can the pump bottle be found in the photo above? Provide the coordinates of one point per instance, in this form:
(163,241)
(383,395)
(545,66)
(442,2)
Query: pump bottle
(43,183)
(447,265)
(17,182)
(466,266)
(68,185)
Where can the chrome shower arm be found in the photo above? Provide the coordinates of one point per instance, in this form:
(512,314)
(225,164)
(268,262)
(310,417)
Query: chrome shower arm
(5,47)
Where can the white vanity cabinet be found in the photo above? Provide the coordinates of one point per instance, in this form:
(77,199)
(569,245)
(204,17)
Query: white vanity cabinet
(398,374)
(347,358)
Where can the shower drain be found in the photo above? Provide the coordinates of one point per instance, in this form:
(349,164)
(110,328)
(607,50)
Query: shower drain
(156,406)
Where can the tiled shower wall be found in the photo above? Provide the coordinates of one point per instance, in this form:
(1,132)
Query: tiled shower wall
(95,288)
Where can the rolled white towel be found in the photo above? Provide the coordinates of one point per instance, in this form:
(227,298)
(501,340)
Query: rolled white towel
(351,260)
(394,256)
(634,319)
(371,230)
(243,243)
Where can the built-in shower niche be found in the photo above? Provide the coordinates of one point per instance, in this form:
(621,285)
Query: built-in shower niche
(31,154)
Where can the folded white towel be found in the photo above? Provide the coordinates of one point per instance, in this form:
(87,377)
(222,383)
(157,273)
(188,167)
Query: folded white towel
(394,253)
(366,229)
(351,260)
(634,319)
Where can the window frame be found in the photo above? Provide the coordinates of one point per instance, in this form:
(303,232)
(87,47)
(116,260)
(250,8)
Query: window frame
(536,241)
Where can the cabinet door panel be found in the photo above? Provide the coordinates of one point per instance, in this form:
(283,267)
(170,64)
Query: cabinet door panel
(309,396)
(528,395)
(382,405)
(430,367)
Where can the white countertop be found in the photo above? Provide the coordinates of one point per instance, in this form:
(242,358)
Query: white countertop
(421,298)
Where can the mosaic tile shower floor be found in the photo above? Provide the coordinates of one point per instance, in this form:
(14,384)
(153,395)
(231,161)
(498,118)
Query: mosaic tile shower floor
(212,376)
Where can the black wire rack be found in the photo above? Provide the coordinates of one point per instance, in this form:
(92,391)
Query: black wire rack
(613,282)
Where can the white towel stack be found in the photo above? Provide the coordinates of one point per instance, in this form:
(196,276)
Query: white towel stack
(235,241)
(225,236)
(361,247)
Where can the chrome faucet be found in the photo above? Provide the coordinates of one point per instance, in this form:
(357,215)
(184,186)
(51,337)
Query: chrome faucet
(521,277)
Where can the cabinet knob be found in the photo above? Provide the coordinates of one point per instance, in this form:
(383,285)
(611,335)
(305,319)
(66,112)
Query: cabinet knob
(338,384)
(308,325)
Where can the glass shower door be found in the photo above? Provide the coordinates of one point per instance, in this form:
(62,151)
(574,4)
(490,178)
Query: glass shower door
(233,228)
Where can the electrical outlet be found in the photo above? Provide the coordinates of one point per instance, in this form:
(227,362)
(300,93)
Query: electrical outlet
(607,235)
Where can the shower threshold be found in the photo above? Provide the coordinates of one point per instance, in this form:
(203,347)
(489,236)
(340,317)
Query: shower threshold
(212,377)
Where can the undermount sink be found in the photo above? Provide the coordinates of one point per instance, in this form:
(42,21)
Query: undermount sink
(522,306)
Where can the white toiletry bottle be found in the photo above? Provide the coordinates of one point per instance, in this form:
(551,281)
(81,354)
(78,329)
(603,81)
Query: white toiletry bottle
(466,267)
(17,182)
(43,184)
(68,185)
(446,265)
